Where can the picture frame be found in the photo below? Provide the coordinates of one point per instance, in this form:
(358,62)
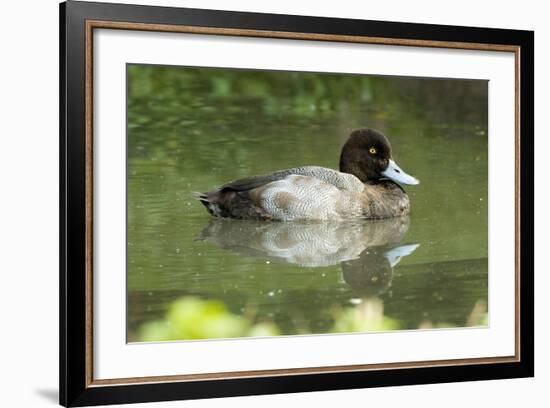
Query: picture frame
(78,23)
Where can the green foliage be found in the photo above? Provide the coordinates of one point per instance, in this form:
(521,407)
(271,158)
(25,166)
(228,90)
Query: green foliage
(191,318)
(367,317)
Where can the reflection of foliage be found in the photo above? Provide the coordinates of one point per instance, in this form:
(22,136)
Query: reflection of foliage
(191,318)
(266,92)
(156,90)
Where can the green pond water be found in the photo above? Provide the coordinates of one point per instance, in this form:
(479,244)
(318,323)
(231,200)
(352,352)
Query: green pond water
(192,276)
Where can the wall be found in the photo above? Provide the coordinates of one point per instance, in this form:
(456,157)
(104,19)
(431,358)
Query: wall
(29,220)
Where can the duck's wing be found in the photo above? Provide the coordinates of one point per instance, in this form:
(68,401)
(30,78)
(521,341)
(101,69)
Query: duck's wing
(340,180)
(245,198)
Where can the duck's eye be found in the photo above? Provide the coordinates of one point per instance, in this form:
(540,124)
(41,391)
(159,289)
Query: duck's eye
(372,150)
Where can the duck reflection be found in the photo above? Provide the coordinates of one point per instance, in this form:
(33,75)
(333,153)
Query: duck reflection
(367,251)
(372,273)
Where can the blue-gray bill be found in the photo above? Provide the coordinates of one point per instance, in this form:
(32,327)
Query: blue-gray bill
(394,172)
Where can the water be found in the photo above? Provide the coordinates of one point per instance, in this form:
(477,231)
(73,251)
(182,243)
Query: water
(193,129)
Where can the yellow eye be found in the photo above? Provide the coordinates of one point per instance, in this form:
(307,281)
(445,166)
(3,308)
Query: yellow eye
(372,150)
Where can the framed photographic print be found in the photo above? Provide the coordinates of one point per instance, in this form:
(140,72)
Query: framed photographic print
(256,203)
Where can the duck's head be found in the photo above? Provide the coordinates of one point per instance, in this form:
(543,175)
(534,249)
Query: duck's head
(367,155)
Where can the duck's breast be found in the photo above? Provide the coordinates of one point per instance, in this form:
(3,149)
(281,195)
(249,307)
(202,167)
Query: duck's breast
(384,200)
(299,197)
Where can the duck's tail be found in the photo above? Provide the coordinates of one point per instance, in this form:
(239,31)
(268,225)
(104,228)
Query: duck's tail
(202,197)
(209,201)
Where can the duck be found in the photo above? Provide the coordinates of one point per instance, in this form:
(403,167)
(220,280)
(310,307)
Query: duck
(367,186)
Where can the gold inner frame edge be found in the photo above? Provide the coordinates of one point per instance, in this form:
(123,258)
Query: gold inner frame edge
(92,24)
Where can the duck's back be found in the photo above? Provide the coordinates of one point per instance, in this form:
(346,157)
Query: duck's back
(303,193)
(336,178)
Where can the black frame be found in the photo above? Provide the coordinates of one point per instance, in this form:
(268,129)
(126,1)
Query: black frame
(73,390)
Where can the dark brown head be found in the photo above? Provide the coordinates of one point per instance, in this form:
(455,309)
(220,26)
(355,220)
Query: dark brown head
(367,155)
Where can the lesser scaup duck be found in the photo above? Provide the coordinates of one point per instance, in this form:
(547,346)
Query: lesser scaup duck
(365,187)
